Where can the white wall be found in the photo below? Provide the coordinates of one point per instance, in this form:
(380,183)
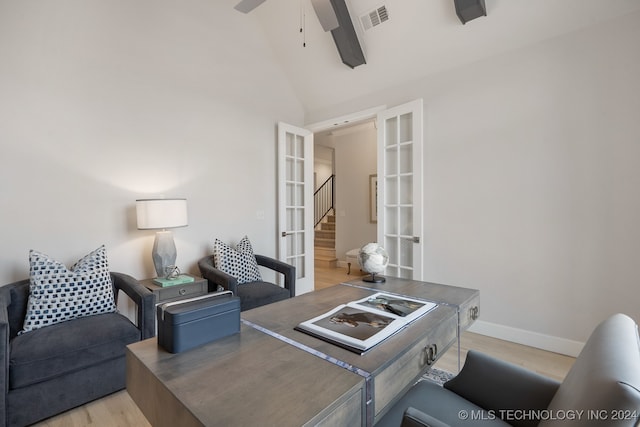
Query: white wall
(531,157)
(108,101)
(533,194)
(532,163)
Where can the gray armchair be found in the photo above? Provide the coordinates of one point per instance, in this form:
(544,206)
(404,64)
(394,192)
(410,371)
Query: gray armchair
(254,294)
(602,388)
(58,367)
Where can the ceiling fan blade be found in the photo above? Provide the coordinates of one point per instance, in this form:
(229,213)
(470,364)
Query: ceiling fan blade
(326,14)
(246,6)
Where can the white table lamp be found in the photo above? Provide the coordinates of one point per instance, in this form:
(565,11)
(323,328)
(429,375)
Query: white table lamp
(160,214)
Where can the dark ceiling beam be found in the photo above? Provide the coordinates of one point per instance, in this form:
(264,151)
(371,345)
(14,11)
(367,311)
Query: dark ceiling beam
(470,9)
(345,36)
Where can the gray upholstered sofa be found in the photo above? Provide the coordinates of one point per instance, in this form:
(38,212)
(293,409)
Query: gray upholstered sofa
(602,388)
(58,367)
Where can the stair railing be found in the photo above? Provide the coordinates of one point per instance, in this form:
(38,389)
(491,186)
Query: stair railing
(323,200)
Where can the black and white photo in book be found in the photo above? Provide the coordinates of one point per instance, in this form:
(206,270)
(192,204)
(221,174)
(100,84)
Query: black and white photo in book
(361,324)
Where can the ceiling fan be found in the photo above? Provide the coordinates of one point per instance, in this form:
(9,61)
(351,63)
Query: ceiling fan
(323,9)
(333,16)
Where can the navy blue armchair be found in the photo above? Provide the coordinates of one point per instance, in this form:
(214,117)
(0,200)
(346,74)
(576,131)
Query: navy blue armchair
(58,367)
(253,294)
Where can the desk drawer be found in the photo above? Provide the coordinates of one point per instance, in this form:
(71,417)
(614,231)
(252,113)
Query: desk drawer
(469,312)
(193,289)
(347,412)
(399,375)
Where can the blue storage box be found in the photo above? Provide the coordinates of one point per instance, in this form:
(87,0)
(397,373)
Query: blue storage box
(189,323)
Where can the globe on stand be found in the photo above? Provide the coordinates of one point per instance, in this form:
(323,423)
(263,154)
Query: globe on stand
(373,259)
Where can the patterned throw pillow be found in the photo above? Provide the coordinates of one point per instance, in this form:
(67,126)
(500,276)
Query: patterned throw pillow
(58,294)
(239,262)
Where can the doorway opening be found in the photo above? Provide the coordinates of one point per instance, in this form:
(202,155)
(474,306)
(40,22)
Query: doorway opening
(345,157)
(394,202)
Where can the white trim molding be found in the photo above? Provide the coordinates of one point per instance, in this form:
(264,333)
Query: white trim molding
(532,339)
(347,119)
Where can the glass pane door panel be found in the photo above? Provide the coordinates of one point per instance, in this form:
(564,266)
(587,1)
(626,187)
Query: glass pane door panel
(290,144)
(299,170)
(294,223)
(391,161)
(300,240)
(406,190)
(392,220)
(391,191)
(405,273)
(406,158)
(298,197)
(299,224)
(290,169)
(299,264)
(391,246)
(406,127)
(290,194)
(406,253)
(406,220)
(391,131)
(391,271)
(291,248)
(290,217)
(299,146)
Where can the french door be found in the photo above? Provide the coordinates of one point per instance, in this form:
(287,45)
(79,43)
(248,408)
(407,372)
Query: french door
(400,188)
(295,202)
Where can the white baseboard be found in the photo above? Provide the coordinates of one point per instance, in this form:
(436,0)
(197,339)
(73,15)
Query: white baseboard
(532,339)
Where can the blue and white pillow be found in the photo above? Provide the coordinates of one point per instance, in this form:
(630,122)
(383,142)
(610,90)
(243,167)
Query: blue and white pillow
(239,262)
(58,294)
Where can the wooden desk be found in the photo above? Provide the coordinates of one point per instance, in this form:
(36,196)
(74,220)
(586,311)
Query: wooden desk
(394,365)
(248,379)
(270,374)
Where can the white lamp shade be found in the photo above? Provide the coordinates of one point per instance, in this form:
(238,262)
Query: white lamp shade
(155,214)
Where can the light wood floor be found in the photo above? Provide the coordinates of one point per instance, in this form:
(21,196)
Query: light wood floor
(119,410)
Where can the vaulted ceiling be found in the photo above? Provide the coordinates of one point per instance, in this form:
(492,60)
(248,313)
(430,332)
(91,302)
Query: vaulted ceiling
(421,37)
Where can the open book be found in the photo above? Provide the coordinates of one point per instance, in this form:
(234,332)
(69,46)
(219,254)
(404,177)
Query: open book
(360,325)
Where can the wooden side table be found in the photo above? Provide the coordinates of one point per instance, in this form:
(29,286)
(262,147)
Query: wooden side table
(177,292)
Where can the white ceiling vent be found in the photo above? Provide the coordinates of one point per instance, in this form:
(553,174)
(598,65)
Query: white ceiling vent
(374,18)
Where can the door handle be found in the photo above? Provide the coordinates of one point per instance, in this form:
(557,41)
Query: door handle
(285,234)
(429,354)
(416,239)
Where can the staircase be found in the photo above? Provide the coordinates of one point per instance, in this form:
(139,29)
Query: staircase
(325,243)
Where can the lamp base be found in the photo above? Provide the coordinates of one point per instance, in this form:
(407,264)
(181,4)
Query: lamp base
(164,252)
(372,278)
